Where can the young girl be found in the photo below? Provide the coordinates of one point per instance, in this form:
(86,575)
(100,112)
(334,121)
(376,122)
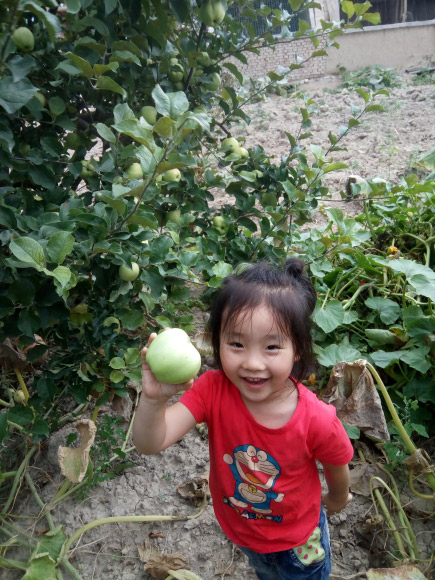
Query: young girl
(266,430)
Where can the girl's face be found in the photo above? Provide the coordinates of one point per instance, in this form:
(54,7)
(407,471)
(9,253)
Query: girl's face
(256,357)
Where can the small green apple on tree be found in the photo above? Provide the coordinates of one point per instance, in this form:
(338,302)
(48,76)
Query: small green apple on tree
(213,83)
(23,39)
(174,215)
(212,12)
(129,274)
(172,175)
(149,113)
(172,357)
(220,225)
(134,171)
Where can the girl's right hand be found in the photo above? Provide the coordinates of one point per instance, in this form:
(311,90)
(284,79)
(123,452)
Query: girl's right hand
(151,387)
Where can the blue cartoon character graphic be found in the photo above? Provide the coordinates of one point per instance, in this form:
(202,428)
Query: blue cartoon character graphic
(255,473)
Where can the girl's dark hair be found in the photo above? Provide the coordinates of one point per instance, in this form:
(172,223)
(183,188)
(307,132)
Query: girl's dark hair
(287,292)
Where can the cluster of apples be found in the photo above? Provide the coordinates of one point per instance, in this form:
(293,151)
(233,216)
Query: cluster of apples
(232,147)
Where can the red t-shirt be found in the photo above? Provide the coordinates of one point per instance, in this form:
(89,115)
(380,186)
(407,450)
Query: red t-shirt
(264,482)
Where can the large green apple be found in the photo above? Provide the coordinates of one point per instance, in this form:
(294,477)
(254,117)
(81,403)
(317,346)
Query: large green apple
(172,175)
(172,357)
(134,171)
(149,113)
(129,274)
(23,39)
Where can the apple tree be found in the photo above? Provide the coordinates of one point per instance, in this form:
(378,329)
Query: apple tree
(115,134)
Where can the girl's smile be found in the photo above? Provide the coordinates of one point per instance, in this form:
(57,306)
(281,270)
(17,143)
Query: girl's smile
(257,357)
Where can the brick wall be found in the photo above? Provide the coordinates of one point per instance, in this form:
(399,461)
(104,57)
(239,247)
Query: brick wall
(284,54)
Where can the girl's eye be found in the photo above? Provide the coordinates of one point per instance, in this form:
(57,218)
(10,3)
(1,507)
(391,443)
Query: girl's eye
(236,345)
(272,347)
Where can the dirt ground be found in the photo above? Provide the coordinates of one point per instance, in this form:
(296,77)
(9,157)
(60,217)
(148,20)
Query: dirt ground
(385,145)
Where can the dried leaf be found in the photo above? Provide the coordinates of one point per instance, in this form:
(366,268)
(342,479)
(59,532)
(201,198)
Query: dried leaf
(361,475)
(352,392)
(399,573)
(195,489)
(74,462)
(147,551)
(419,462)
(160,566)
(11,357)
(183,575)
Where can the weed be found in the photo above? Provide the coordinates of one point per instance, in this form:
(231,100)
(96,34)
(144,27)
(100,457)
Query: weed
(425,77)
(108,442)
(373,78)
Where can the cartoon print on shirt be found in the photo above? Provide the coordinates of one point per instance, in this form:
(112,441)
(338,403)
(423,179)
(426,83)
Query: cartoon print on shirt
(255,473)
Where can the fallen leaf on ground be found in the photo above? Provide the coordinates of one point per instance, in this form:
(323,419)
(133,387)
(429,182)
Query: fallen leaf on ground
(361,475)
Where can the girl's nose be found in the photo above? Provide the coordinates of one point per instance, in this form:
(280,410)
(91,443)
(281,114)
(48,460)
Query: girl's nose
(253,362)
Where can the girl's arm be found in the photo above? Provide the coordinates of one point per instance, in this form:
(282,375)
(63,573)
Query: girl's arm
(338,496)
(157,426)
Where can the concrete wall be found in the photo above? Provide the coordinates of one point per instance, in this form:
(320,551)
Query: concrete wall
(399,46)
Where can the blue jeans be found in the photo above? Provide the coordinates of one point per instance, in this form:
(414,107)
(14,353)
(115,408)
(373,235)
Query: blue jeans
(288,566)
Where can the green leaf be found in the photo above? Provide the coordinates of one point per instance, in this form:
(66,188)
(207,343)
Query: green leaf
(51,21)
(73,6)
(352,431)
(137,131)
(181,9)
(380,336)
(56,105)
(428,159)
(3,426)
(40,567)
(132,319)
(40,427)
(235,71)
(388,310)
(116,377)
(222,269)
(14,95)
(372,17)
(384,359)
(52,543)
(330,316)
(170,105)
(421,388)
(105,132)
(416,358)
(82,64)
(117,363)
(335,353)
(20,415)
(20,66)
(161,100)
(59,246)
(295,4)
(29,251)
(348,8)
(108,84)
